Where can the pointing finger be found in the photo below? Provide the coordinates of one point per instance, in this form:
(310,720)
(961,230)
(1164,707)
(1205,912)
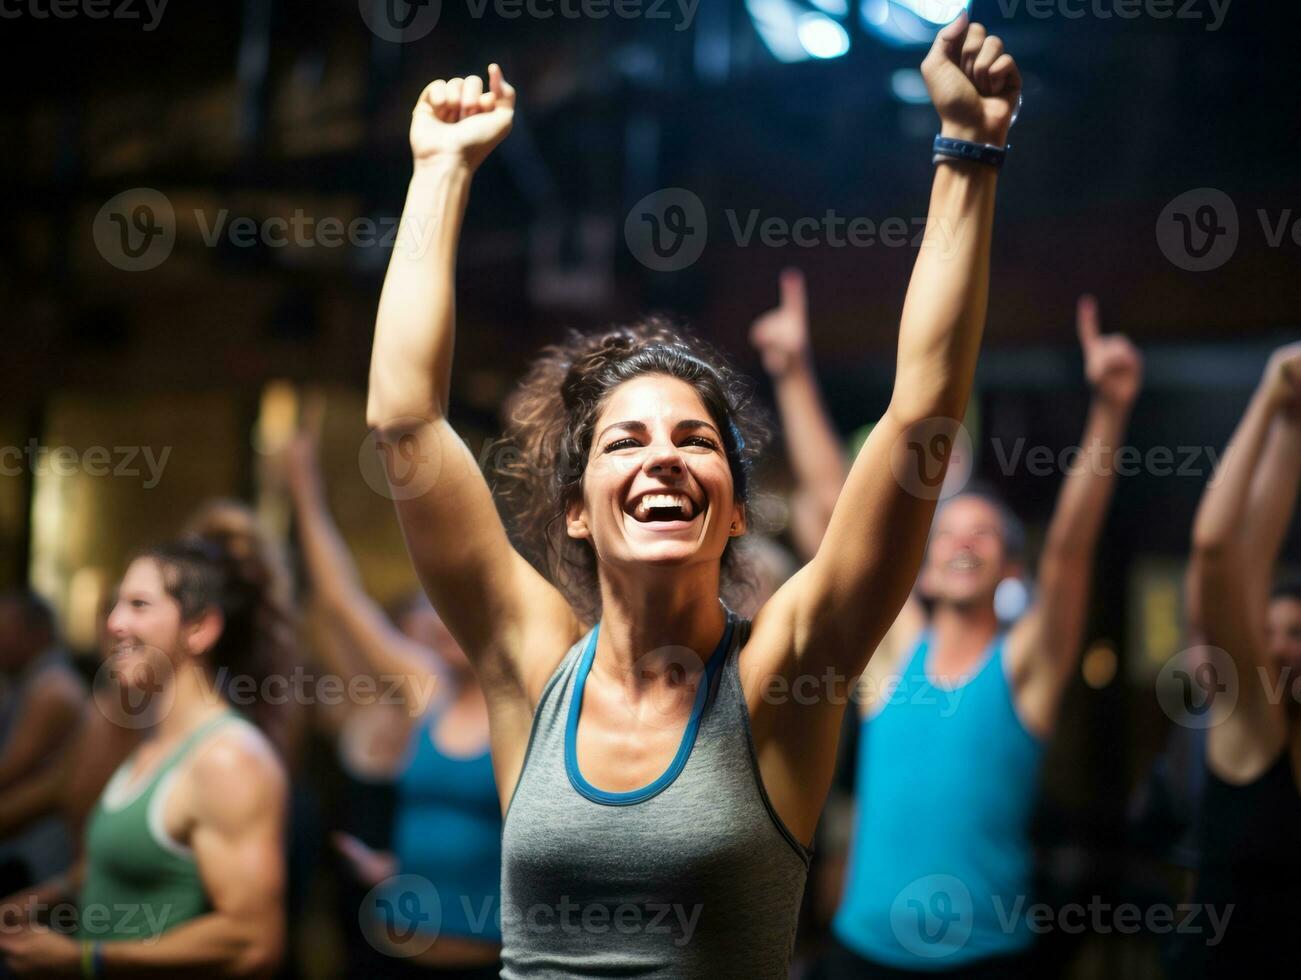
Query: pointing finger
(793,295)
(1087,321)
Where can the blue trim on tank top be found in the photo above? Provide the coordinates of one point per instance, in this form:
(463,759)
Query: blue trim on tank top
(684,748)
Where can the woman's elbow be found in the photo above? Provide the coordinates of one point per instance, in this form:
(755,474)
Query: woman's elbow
(260,958)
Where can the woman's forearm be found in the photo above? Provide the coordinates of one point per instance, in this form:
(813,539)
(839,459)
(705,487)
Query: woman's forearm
(1271,502)
(415,326)
(1087,490)
(329,564)
(1220,515)
(213,945)
(815,454)
(948,295)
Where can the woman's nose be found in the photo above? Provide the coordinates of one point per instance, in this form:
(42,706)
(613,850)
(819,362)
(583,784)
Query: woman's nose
(665,462)
(115,626)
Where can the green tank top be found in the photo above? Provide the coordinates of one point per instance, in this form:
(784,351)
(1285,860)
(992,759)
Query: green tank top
(140,882)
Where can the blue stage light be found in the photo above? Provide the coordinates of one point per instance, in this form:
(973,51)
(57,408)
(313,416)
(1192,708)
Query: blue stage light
(908,23)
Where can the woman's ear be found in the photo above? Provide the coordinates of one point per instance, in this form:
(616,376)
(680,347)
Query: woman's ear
(575,522)
(739,521)
(202,634)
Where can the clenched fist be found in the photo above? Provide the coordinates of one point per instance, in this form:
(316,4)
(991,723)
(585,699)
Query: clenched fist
(457,120)
(974,84)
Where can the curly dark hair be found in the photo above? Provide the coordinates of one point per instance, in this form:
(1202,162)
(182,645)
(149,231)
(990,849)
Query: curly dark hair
(538,467)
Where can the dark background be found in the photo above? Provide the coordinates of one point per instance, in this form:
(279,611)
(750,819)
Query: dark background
(263,107)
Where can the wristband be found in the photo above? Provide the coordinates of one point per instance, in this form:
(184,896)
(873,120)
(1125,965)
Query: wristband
(92,959)
(946,148)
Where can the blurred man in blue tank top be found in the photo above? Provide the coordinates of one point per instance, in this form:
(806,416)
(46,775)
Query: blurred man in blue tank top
(954,712)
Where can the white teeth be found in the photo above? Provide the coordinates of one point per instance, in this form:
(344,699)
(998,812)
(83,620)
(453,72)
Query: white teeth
(652,500)
(662,500)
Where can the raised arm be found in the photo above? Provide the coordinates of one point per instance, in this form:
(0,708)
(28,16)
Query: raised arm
(1271,504)
(782,337)
(337,584)
(824,623)
(841,604)
(1045,644)
(493,601)
(1248,737)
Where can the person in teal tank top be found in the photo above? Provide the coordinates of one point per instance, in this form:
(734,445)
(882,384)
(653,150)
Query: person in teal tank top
(954,713)
(433,908)
(184,864)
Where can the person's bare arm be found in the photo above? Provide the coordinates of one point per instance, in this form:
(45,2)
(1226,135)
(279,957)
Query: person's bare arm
(49,711)
(240,795)
(1248,738)
(1045,645)
(36,796)
(1272,502)
(832,614)
(386,650)
(28,905)
(781,336)
(510,621)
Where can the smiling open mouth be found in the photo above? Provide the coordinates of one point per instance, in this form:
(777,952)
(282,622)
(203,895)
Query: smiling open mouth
(655,508)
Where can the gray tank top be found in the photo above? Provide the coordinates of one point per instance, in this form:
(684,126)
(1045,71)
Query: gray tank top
(693,877)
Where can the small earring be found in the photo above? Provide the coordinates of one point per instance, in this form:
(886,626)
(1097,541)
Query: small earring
(733,527)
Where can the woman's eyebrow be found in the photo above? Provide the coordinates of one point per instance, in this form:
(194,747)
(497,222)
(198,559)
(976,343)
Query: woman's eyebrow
(631,425)
(697,424)
(640,427)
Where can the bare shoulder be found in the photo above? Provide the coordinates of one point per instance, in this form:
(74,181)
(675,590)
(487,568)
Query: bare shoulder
(237,772)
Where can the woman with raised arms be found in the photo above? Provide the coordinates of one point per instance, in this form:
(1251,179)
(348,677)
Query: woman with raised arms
(659,797)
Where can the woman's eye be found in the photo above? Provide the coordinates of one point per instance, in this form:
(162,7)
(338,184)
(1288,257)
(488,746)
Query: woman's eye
(701,441)
(621,444)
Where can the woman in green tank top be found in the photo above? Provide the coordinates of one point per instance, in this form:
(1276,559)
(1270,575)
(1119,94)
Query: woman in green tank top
(184,864)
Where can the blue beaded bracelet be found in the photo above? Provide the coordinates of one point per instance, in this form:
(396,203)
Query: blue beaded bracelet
(946,148)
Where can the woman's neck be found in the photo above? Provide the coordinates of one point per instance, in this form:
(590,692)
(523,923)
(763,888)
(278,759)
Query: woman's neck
(195,699)
(678,608)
